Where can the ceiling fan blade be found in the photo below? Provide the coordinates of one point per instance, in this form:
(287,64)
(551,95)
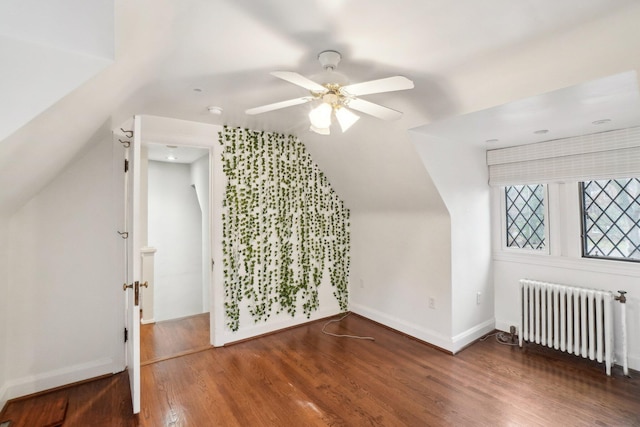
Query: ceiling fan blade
(299,80)
(278,105)
(374,110)
(389,84)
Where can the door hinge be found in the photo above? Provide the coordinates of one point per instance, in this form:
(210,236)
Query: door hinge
(126,335)
(126,165)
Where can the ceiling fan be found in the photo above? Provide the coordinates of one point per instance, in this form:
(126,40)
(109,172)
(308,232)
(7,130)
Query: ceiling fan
(335,96)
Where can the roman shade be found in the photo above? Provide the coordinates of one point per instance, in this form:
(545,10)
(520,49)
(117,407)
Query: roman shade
(606,155)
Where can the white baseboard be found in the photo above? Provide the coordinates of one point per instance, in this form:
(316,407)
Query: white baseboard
(467,337)
(416,331)
(39,382)
(273,326)
(453,344)
(147,321)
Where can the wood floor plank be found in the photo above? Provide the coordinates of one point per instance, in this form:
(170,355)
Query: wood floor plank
(168,338)
(301,377)
(48,412)
(102,403)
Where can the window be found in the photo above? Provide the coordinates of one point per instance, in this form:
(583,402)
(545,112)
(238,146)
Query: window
(611,219)
(525,216)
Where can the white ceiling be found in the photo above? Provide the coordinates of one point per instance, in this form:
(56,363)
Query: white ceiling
(597,106)
(174,153)
(227,49)
(479,69)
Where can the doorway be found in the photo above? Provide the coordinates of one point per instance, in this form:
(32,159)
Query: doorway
(175,315)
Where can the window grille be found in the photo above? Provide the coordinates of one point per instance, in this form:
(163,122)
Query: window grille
(611,219)
(525,216)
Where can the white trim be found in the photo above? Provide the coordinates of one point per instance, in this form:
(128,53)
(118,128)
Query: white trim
(44,381)
(410,329)
(554,221)
(147,322)
(217,183)
(467,337)
(621,268)
(164,130)
(454,344)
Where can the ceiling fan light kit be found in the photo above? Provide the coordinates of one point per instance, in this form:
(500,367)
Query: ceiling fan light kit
(320,117)
(334,95)
(346,118)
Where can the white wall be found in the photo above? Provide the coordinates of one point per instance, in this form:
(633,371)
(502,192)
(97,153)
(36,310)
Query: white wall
(565,265)
(460,174)
(64,287)
(200,179)
(398,261)
(175,230)
(4,305)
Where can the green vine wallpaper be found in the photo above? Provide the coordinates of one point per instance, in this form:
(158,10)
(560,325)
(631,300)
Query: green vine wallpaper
(283,227)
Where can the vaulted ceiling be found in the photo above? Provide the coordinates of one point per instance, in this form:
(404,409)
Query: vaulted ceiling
(175,58)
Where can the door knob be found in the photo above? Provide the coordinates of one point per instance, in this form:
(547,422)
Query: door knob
(136,290)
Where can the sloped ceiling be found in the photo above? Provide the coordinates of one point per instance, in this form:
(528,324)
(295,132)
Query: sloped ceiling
(48,49)
(452,50)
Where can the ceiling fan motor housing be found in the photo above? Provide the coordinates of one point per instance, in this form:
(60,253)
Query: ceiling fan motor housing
(329,59)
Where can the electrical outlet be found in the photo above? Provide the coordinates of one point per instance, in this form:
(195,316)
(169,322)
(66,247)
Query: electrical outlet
(478,298)
(432,303)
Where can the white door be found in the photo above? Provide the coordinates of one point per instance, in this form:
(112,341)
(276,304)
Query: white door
(133,262)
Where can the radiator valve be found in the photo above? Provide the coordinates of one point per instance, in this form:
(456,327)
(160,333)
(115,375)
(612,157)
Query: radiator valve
(513,333)
(622,298)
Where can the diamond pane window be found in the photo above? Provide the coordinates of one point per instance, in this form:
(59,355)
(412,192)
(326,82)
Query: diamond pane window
(525,216)
(611,219)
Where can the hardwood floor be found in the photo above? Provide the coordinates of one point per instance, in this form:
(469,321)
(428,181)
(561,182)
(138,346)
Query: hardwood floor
(171,338)
(302,377)
(105,402)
